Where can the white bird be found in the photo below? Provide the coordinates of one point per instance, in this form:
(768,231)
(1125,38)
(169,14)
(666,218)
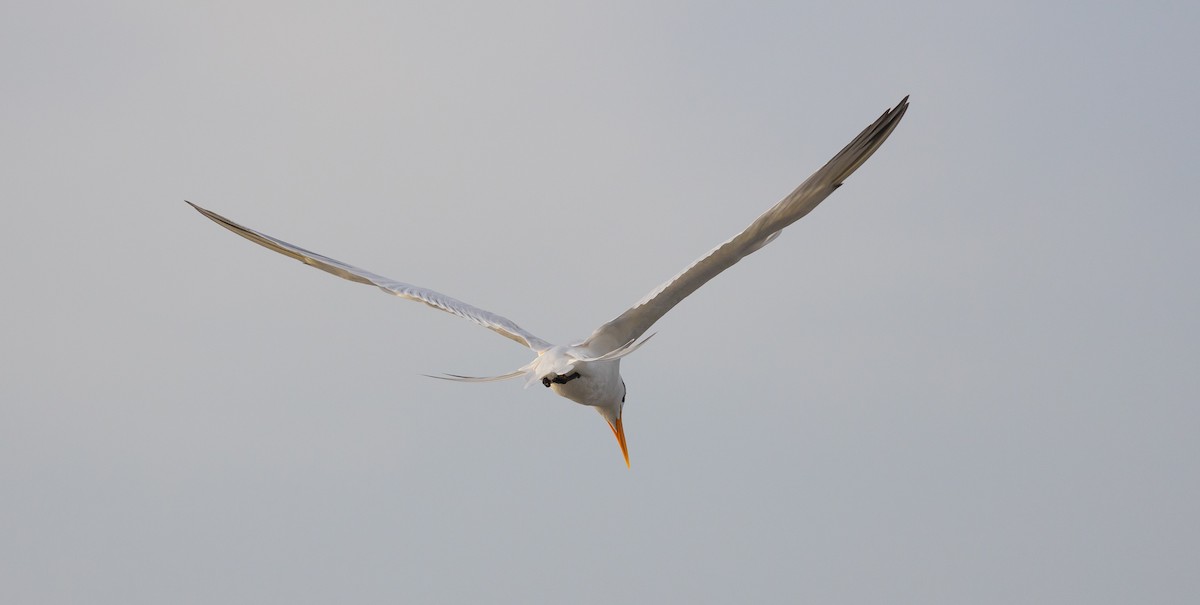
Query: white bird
(588,372)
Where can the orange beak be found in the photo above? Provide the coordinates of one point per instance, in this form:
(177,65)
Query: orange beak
(619,432)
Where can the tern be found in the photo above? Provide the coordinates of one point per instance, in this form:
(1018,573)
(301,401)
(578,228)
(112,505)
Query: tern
(588,372)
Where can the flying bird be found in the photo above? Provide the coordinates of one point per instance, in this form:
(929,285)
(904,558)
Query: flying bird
(588,372)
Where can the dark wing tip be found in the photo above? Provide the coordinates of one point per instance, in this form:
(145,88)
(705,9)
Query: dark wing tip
(207,213)
(869,140)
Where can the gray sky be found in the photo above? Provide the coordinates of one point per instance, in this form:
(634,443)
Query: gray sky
(969,377)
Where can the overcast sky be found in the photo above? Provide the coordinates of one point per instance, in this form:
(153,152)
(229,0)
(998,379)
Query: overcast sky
(970,376)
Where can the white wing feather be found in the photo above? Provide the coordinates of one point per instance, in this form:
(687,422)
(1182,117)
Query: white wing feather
(634,322)
(437,300)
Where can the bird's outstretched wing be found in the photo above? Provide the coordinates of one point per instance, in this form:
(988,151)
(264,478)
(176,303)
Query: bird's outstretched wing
(437,300)
(633,323)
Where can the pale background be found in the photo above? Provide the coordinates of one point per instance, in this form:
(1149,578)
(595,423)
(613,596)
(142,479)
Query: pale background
(970,376)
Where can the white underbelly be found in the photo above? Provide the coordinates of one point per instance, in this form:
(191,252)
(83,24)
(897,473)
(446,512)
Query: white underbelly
(598,384)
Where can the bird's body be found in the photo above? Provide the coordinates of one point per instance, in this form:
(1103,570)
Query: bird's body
(588,372)
(598,384)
